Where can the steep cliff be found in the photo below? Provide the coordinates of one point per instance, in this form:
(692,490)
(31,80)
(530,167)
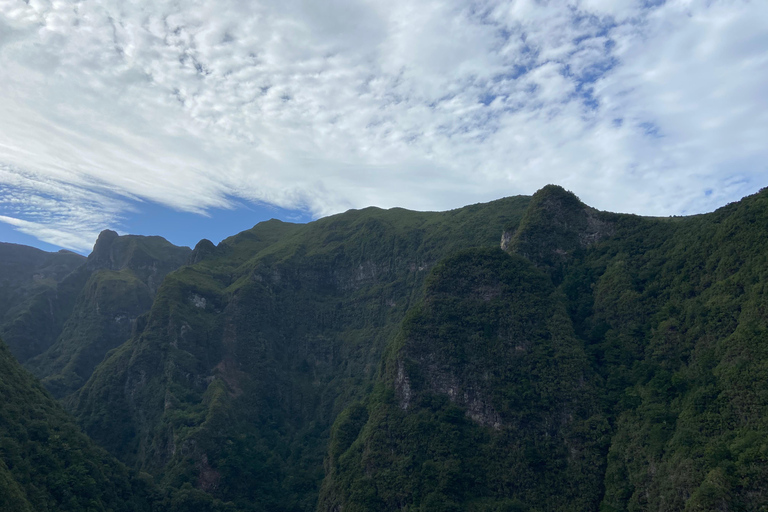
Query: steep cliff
(108,293)
(670,316)
(396,360)
(486,401)
(248,355)
(31,314)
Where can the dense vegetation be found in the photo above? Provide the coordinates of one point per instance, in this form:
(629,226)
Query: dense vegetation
(66,312)
(397,360)
(47,464)
(249,355)
(486,402)
(672,315)
(31,316)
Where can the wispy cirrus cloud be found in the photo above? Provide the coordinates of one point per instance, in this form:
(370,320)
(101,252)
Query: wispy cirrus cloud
(60,213)
(636,106)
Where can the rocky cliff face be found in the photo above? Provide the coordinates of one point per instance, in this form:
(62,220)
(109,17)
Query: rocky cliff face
(491,358)
(645,332)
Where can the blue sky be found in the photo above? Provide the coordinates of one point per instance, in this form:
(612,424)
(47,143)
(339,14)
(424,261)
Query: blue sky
(196,118)
(179,227)
(183,228)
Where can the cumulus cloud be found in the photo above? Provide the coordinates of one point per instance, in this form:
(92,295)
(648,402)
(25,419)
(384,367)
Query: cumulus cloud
(653,108)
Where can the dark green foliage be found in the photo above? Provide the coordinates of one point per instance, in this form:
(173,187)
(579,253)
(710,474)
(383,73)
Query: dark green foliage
(396,360)
(31,315)
(673,317)
(47,464)
(556,228)
(249,355)
(101,320)
(486,402)
(684,309)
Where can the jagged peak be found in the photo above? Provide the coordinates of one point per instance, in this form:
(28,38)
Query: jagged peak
(202,250)
(114,251)
(106,237)
(102,249)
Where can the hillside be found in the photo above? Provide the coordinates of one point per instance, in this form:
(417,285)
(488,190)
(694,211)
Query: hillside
(670,315)
(110,291)
(248,355)
(30,314)
(528,354)
(47,463)
(486,401)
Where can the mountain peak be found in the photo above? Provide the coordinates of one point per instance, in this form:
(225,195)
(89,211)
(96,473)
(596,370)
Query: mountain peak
(559,201)
(555,226)
(202,250)
(102,248)
(107,234)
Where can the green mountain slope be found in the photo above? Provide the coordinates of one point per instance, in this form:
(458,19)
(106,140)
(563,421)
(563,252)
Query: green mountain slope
(248,355)
(115,286)
(671,315)
(486,401)
(397,360)
(47,464)
(30,315)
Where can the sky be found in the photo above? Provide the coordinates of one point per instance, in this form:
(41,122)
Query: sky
(198,118)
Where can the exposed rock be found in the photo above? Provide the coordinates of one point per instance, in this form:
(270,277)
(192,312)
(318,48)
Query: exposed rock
(198,301)
(402,386)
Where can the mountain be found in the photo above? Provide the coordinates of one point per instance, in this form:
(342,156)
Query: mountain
(486,401)
(61,312)
(248,355)
(650,393)
(47,464)
(114,287)
(30,315)
(528,354)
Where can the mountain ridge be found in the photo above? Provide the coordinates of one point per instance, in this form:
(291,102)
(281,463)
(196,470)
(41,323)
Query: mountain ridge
(532,353)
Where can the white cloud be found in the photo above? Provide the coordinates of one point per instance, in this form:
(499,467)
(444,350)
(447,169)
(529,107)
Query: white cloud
(60,213)
(339,104)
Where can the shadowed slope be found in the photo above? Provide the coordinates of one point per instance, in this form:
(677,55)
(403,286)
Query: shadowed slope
(114,287)
(30,314)
(47,464)
(248,355)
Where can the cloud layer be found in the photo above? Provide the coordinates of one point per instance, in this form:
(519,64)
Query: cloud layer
(646,107)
